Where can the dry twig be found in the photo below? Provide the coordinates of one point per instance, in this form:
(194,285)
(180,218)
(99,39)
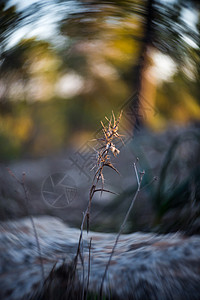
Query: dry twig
(22,183)
(139,177)
(110,133)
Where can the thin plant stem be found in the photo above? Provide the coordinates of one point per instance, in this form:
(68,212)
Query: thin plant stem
(139,181)
(89,263)
(103,160)
(22,183)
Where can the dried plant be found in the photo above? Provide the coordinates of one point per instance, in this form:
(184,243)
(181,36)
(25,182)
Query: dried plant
(26,196)
(103,156)
(110,134)
(139,177)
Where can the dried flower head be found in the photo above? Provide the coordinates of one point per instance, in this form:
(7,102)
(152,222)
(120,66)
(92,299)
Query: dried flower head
(110,132)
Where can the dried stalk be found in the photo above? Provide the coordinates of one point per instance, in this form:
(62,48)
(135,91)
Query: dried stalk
(89,262)
(22,183)
(139,182)
(103,159)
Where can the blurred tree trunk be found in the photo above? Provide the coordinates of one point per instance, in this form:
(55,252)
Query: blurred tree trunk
(139,71)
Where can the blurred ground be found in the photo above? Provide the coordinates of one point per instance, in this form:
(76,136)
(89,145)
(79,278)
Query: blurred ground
(58,187)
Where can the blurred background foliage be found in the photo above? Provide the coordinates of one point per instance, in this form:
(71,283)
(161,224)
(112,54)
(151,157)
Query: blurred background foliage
(64,65)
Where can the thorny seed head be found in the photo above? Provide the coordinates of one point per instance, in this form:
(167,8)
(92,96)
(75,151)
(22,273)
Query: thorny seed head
(103,159)
(110,133)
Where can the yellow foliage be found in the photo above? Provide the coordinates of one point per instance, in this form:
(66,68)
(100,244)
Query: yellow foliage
(191,106)
(18,128)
